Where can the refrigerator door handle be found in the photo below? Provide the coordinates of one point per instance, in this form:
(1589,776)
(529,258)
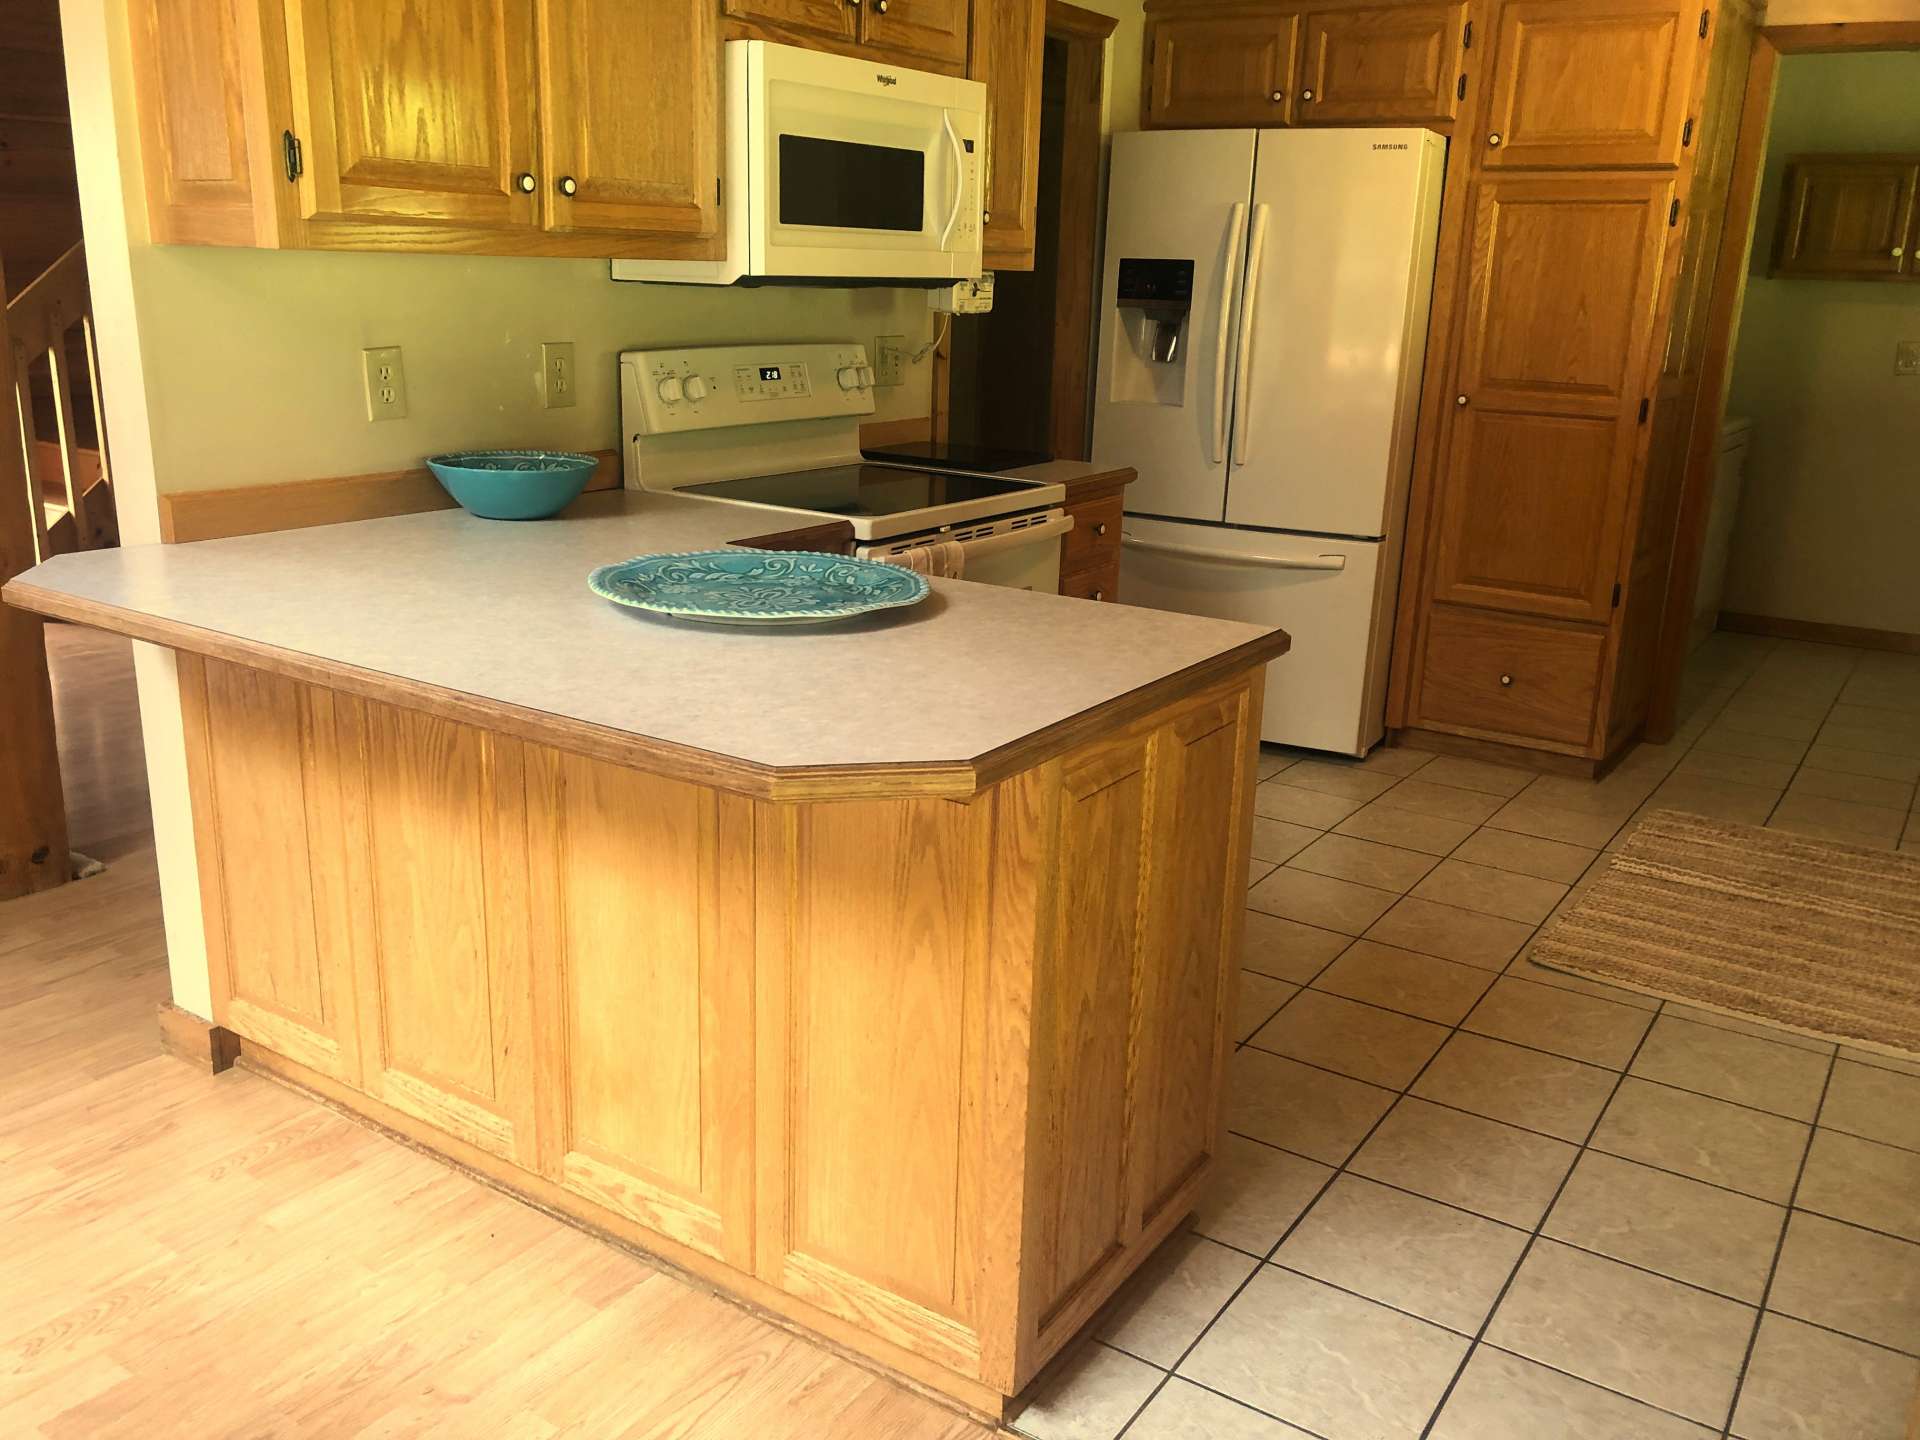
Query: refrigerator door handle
(1243,365)
(1237,557)
(1235,223)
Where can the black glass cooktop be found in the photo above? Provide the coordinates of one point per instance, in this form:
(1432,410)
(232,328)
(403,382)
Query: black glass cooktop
(860,489)
(960,454)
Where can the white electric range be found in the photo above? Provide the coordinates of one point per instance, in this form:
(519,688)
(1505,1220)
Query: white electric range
(776,427)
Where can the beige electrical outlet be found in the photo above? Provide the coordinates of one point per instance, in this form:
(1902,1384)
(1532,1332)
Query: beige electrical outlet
(556,373)
(889,360)
(386,383)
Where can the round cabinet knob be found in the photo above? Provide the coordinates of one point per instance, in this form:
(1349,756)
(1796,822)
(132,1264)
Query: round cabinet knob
(669,389)
(1306,95)
(880,5)
(849,377)
(1100,529)
(1459,399)
(1494,139)
(696,388)
(1898,251)
(1099,594)
(1278,96)
(525,181)
(1506,680)
(568,185)
(985,216)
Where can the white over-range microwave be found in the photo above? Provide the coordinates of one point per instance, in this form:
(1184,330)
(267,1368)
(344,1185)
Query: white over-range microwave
(842,169)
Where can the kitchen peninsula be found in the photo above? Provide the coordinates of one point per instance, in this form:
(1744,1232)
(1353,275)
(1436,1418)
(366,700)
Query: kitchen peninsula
(876,973)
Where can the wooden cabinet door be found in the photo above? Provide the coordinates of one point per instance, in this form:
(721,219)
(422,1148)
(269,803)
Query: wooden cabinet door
(1552,368)
(633,159)
(414,112)
(832,19)
(1599,83)
(1221,70)
(919,29)
(1396,65)
(1009,43)
(1847,215)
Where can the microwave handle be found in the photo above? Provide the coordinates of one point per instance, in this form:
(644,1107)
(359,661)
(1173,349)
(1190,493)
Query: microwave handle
(959,177)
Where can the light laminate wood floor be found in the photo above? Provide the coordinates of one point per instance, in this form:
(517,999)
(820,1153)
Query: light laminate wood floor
(183,1254)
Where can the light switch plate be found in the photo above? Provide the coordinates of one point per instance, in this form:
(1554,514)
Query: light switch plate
(1906,357)
(556,373)
(386,383)
(889,360)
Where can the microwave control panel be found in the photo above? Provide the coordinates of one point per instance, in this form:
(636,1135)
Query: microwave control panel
(712,387)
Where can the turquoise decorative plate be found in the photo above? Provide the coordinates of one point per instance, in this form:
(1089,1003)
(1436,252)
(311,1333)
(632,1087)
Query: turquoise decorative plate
(757,587)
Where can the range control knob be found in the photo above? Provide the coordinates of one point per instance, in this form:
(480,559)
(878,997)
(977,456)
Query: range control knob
(849,377)
(696,388)
(669,389)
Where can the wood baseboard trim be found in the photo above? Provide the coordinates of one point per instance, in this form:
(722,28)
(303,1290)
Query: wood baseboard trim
(201,1043)
(1548,762)
(298,504)
(972,1397)
(1820,633)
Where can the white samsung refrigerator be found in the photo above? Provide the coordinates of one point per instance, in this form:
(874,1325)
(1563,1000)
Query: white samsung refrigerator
(1262,341)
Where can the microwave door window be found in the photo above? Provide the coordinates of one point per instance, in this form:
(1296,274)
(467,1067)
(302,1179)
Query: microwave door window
(845,185)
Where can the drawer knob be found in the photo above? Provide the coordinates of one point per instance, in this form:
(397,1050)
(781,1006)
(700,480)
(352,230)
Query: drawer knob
(1099,594)
(1100,529)
(1494,140)
(568,185)
(1506,680)
(1898,251)
(1306,95)
(1459,399)
(1278,96)
(525,181)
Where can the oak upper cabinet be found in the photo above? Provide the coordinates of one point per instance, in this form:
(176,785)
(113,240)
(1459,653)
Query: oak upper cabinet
(1848,216)
(413,112)
(457,126)
(1227,69)
(920,30)
(836,20)
(929,33)
(1553,358)
(1009,42)
(1391,65)
(618,156)
(1599,83)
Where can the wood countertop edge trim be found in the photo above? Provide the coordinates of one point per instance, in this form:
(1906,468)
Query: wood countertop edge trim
(944,779)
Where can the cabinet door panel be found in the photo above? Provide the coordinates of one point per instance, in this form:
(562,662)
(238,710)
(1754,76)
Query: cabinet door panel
(925,29)
(833,19)
(420,112)
(1847,216)
(1009,40)
(1500,676)
(1604,83)
(1397,65)
(1551,372)
(1221,70)
(644,159)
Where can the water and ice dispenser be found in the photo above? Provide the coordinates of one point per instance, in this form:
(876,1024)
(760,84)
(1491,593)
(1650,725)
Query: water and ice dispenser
(1153,298)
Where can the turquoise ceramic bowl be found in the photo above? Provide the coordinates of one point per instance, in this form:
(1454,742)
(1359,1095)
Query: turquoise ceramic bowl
(513,484)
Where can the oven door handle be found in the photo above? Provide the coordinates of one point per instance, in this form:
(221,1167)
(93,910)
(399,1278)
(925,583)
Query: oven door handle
(959,177)
(1238,557)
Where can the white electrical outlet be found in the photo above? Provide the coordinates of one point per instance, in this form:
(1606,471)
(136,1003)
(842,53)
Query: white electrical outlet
(889,360)
(964,297)
(556,373)
(1906,357)
(386,383)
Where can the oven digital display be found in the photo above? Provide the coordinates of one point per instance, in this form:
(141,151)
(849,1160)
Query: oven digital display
(769,372)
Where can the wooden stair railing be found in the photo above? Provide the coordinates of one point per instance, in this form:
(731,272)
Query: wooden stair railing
(80,513)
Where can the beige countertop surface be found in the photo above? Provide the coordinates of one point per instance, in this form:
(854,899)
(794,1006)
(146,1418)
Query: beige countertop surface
(499,613)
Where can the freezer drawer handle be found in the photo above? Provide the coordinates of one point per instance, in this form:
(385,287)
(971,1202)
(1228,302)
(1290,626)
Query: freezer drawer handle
(1234,222)
(1236,557)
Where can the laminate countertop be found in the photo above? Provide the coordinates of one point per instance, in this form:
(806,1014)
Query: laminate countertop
(492,622)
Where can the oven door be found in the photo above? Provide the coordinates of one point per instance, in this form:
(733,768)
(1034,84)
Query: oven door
(1024,558)
(862,169)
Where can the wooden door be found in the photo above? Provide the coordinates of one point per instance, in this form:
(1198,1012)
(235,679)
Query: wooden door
(1395,65)
(1009,42)
(920,29)
(1844,215)
(643,964)
(830,19)
(637,159)
(415,112)
(1552,369)
(1221,70)
(1600,83)
(443,950)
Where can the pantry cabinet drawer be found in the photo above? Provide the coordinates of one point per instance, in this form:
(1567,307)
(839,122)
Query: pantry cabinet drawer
(1095,537)
(1502,676)
(1101,582)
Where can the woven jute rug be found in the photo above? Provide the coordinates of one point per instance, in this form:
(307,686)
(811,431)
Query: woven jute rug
(1809,935)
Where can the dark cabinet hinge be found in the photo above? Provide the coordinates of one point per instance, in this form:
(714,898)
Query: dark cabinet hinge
(1643,411)
(1703,24)
(716,191)
(1616,594)
(1686,133)
(1460,90)
(1673,214)
(1466,37)
(290,154)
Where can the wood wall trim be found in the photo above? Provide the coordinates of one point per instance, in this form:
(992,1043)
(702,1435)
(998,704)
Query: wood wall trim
(1078,22)
(201,1043)
(1844,35)
(1470,747)
(1077,277)
(875,433)
(1820,633)
(297,504)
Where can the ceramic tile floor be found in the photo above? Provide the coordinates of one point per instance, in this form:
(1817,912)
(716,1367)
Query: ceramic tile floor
(1466,1198)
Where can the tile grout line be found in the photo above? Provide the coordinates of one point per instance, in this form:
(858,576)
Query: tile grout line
(1779,1249)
